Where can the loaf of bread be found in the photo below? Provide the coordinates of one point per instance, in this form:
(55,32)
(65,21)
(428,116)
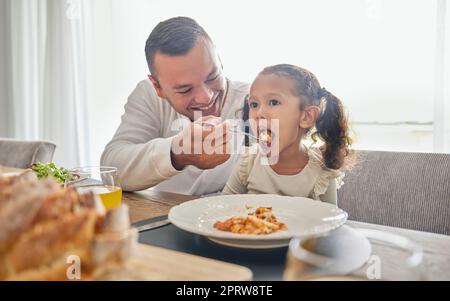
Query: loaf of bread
(43,226)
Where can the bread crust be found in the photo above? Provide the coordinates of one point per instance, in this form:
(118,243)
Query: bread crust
(43,224)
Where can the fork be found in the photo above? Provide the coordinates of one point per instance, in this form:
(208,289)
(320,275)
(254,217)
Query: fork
(234,129)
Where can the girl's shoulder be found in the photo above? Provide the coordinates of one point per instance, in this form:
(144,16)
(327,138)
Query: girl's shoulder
(325,173)
(315,156)
(327,178)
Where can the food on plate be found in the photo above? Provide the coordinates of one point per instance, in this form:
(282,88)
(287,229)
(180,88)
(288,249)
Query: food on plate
(44,170)
(262,221)
(44,226)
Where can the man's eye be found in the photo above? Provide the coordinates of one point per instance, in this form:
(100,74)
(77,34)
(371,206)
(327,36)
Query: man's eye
(212,79)
(185,91)
(274,102)
(253,104)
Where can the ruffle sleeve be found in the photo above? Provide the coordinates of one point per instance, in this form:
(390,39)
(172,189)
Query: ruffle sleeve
(321,186)
(326,175)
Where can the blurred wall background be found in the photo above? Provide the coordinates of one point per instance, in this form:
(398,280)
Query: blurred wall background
(67,66)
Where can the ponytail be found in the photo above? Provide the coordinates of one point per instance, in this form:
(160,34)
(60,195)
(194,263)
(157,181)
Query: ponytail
(332,128)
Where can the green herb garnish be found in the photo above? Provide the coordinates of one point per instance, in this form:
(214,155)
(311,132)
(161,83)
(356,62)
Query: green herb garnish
(44,170)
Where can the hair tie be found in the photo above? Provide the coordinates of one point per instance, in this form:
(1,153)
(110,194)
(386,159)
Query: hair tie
(323,93)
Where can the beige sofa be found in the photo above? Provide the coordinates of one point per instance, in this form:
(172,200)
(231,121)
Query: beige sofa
(22,154)
(407,190)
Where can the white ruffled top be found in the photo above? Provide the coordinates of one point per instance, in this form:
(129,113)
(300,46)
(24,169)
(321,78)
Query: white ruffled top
(315,181)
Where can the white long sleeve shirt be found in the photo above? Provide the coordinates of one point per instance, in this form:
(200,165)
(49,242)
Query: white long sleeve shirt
(140,148)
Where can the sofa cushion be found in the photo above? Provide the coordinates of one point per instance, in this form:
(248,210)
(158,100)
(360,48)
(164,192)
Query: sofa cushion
(407,190)
(22,154)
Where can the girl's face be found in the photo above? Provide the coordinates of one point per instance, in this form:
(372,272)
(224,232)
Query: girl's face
(274,112)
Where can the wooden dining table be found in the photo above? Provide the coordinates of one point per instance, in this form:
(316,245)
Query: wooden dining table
(436,247)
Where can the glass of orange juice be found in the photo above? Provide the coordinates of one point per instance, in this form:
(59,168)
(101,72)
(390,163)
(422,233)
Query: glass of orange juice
(101,180)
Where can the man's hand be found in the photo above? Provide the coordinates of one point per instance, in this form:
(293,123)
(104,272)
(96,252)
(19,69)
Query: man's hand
(205,144)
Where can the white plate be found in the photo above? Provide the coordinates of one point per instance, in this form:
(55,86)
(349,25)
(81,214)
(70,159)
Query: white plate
(302,216)
(251,244)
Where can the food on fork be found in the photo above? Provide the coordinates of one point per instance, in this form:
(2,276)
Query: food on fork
(265,136)
(43,225)
(262,221)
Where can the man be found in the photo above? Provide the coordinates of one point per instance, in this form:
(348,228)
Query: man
(187,84)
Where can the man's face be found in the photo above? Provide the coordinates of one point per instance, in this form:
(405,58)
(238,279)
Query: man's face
(192,83)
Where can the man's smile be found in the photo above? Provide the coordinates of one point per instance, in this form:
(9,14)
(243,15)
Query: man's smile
(215,100)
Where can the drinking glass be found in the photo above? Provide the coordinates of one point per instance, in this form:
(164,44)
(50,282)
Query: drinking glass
(103,181)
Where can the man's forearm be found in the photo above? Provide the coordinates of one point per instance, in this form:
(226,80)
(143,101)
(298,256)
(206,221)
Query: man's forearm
(141,166)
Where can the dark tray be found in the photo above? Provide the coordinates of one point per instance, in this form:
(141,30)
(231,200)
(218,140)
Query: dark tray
(267,264)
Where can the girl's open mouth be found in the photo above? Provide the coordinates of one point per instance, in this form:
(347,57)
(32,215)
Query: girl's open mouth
(265,136)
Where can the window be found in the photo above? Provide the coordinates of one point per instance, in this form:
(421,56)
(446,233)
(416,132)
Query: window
(386,60)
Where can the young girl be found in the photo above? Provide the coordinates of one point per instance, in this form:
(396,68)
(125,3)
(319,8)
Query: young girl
(285,104)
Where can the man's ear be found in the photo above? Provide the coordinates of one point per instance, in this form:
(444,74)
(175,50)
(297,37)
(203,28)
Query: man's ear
(156,85)
(309,116)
